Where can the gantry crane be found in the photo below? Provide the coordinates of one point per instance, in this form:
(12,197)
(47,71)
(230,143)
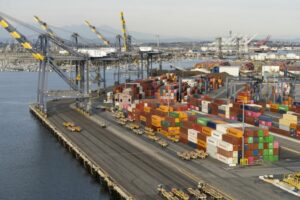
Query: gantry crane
(52,34)
(59,41)
(107,43)
(43,56)
(99,35)
(44,26)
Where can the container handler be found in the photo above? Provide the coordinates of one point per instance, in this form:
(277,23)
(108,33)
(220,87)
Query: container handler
(207,189)
(179,193)
(197,194)
(167,195)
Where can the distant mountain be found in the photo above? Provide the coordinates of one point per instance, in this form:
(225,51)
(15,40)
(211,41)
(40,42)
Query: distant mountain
(88,36)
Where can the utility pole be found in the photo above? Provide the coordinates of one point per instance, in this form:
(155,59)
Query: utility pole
(243,138)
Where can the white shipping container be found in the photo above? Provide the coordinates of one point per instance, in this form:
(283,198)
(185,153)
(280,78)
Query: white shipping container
(212,141)
(283,127)
(263,126)
(232,70)
(222,127)
(225,145)
(228,161)
(205,110)
(235,154)
(212,152)
(217,134)
(193,135)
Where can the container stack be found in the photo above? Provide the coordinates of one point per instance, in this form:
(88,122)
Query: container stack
(278,108)
(288,122)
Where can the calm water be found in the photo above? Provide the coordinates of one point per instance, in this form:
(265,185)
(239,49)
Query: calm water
(33,165)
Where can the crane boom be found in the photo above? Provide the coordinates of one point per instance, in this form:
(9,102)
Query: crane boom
(21,39)
(57,40)
(44,26)
(37,55)
(125,38)
(99,35)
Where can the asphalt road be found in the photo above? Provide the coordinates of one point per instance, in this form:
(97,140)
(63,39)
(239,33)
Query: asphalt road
(133,168)
(139,165)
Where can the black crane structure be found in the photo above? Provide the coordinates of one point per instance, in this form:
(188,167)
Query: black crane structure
(51,61)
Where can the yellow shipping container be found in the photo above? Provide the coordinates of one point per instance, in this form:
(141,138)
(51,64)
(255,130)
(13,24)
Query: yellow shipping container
(219,122)
(143,118)
(202,143)
(274,106)
(291,118)
(163,132)
(165,108)
(206,130)
(293,125)
(156,117)
(235,132)
(156,124)
(173,131)
(182,115)
(147,109)
(284,122)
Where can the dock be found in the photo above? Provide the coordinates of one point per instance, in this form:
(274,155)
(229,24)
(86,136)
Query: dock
(131,167)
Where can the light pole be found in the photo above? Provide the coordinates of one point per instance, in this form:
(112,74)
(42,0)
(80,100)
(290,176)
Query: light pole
(243,138)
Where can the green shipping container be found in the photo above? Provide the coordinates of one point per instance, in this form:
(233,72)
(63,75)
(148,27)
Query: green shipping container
(165,123)
(260,146)
(260,133)
(283,107)
(203,121)
(270,145)
(261,139)
(174,114)
(271,152)
(273,158)
(177,124)
(271,138)
(250,140)
(266,152)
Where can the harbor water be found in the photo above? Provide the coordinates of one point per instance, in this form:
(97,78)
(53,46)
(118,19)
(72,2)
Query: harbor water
(33,165)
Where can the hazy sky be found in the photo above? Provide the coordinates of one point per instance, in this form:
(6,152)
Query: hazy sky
(185,18)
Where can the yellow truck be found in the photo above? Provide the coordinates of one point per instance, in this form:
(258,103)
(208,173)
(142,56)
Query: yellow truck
(72,127)
(179,193)
(162,143)
(167,195)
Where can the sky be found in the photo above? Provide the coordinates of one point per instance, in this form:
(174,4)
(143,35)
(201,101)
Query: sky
(182,18)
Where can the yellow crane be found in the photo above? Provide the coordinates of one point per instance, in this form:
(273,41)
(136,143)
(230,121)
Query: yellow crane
(21,39)
(44,26)
(125,37)
(99,35)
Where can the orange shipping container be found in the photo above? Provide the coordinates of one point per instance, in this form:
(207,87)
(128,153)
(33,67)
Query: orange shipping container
(235,132)
(206,130)
(202,143)
(274,106)
(143,118)
(147,109)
